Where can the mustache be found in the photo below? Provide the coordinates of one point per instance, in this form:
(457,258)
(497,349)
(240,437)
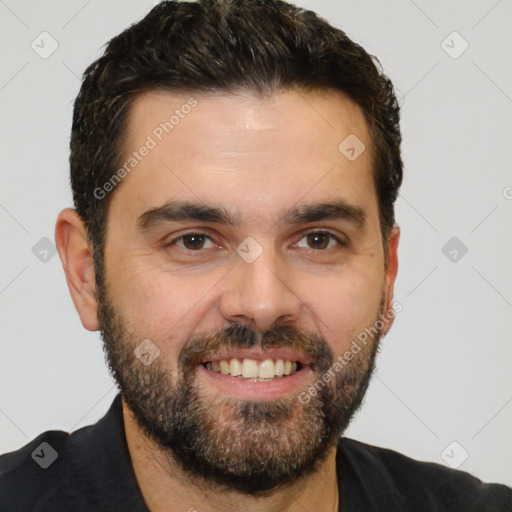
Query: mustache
(242,336)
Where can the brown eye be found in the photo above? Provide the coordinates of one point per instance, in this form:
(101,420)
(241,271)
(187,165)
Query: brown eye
(194,241)
(319,240)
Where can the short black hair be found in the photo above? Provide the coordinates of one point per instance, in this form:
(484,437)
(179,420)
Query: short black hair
(262,46)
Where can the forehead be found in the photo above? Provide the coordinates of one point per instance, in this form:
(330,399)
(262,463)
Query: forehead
(251,155)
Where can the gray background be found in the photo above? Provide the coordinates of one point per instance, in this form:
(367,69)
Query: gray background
(443,389)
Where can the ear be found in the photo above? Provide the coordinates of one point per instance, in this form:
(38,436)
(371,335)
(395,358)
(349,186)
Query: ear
(76,256)
(389,279)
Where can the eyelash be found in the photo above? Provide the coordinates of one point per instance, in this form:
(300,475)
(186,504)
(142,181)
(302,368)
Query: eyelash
(340,242)
(192,233)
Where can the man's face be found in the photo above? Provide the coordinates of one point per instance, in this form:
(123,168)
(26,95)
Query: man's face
(244,233)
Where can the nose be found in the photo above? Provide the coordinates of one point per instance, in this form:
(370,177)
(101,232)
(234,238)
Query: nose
(260,294)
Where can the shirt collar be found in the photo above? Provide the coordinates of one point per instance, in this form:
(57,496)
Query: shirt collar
(101,464)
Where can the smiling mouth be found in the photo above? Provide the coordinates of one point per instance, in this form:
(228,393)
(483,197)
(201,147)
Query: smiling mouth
(255,370)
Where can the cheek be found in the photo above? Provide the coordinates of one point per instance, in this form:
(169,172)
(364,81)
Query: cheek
(163,305)
(341,308)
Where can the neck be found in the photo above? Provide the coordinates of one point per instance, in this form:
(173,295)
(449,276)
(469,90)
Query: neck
(162,482)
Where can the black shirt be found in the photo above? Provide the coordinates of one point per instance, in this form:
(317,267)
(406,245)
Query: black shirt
(90,470)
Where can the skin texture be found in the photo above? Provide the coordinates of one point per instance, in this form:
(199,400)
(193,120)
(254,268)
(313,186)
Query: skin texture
(257,159)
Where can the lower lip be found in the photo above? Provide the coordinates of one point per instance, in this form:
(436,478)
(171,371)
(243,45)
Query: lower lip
(250,390)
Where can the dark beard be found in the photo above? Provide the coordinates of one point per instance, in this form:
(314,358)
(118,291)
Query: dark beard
(252,447)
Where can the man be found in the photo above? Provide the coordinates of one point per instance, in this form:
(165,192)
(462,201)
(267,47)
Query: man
(234,167)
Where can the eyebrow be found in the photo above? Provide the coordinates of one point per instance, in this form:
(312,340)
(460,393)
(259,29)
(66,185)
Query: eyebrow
(330,210)
(301,214)
(183,211)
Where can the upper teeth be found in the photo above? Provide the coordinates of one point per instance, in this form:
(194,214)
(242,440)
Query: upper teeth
(251,369)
